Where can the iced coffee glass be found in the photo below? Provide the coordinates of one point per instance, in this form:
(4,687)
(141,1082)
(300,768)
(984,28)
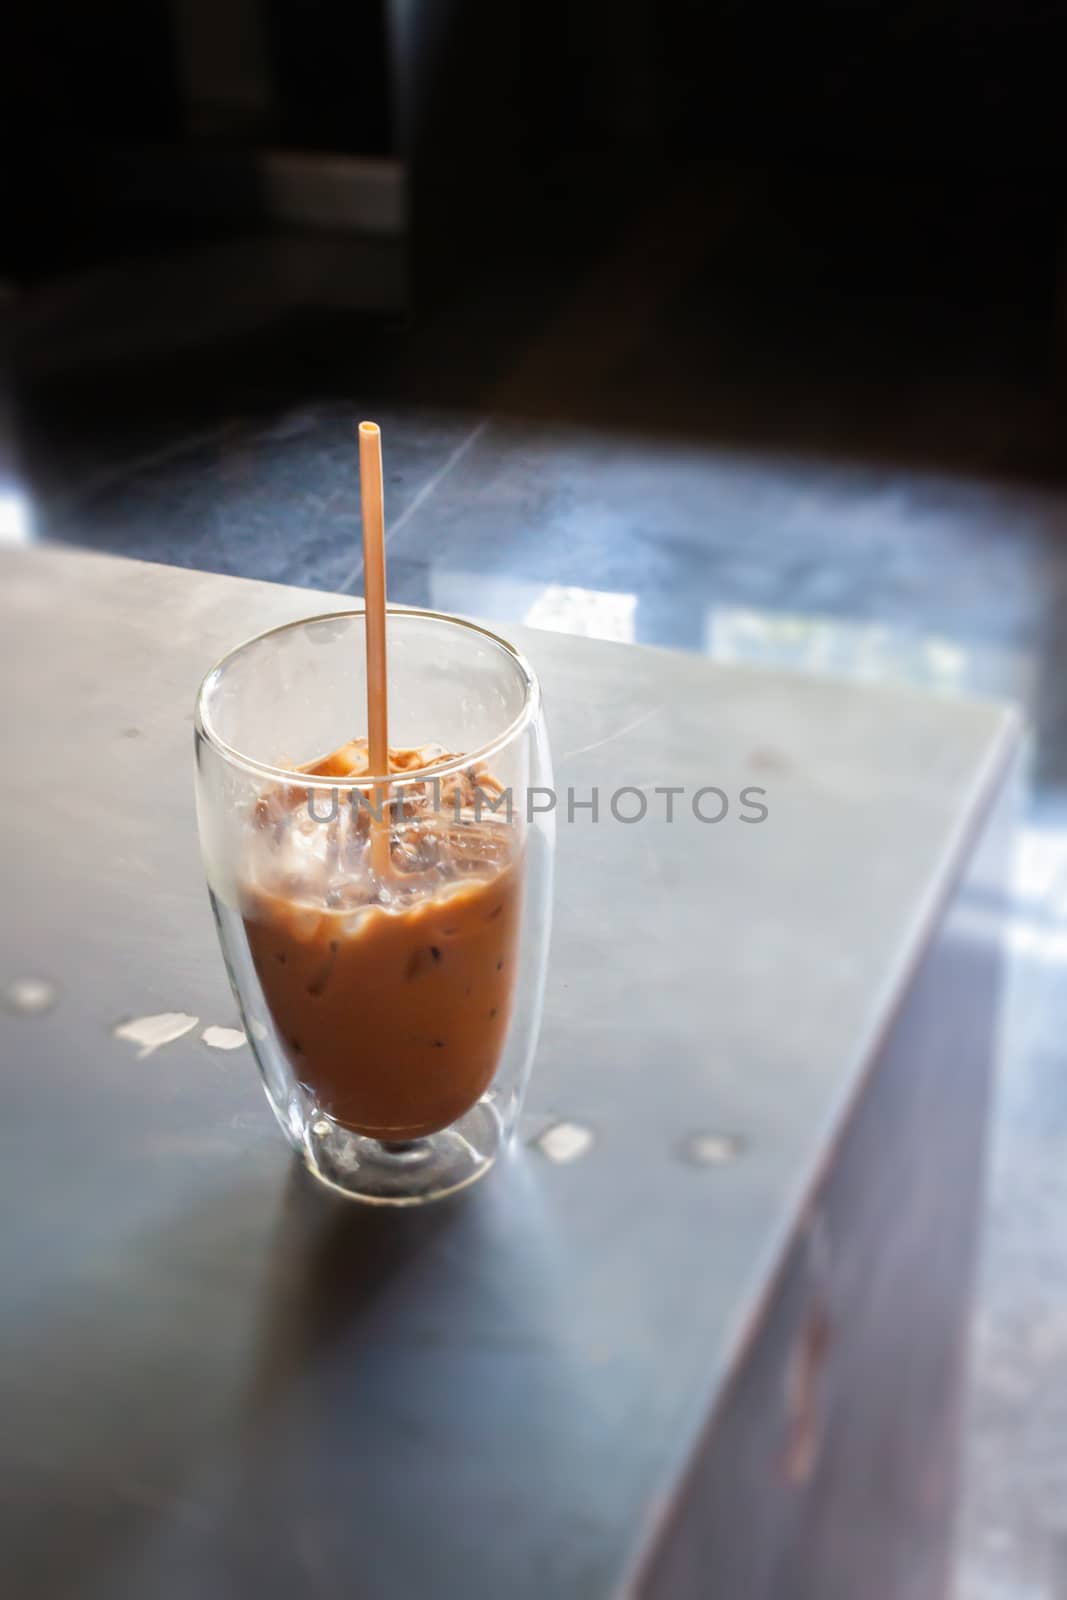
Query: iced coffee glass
(385,934)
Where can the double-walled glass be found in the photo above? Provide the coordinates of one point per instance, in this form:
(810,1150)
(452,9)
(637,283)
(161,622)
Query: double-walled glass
(385,934)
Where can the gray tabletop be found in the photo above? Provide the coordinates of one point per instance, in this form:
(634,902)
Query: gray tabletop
(217,1380)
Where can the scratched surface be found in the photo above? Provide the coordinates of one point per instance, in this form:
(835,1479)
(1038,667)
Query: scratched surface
(218,1381)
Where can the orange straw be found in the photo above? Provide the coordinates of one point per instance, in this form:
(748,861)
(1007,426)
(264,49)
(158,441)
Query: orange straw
(370,482)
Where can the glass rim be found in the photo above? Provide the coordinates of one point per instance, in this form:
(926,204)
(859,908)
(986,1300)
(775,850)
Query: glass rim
(393,780)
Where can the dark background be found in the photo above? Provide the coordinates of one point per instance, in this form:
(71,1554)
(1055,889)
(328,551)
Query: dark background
(854,197)
(491,104)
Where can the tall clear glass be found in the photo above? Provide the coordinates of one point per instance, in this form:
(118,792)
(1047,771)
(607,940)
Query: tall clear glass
(386,935)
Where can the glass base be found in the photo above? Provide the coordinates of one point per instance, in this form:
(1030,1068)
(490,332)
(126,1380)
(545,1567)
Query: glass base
(402,1174)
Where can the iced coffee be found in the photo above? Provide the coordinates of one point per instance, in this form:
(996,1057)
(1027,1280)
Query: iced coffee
(390,992)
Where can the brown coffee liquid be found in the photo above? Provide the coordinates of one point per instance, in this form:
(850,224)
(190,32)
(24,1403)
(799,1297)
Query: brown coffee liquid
(393,1010)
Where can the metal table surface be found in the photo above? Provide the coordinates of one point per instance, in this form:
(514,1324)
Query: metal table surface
(220,1381)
